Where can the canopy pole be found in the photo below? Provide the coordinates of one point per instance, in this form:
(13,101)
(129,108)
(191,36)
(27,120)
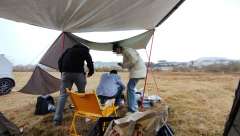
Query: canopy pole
(146,77)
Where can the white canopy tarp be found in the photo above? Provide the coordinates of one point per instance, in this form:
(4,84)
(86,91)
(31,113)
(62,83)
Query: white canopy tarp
(136,42)
(89,15)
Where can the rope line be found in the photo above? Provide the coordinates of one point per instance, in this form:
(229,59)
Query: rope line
(148,65)
(154,78)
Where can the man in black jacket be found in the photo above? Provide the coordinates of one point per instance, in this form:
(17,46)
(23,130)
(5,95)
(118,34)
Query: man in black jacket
(71,66)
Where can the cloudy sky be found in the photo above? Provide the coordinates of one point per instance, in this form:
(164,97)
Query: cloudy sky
(199,28)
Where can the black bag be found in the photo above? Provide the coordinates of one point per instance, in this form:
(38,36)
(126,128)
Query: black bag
(42,104)
(165,130)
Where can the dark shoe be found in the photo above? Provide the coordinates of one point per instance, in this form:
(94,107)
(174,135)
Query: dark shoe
(57,123)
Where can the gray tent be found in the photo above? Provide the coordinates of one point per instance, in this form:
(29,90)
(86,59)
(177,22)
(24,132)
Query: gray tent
(87,16)
(41,83)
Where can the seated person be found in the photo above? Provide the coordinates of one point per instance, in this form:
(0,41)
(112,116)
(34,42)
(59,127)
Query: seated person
(110,86)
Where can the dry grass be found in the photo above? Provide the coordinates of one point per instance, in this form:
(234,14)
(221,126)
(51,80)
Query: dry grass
(199,102)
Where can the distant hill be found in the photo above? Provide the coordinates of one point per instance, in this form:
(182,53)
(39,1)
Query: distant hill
(100,64)
(200,63)
(210,60)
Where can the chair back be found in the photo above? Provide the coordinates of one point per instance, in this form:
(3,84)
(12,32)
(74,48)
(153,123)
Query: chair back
(85,103)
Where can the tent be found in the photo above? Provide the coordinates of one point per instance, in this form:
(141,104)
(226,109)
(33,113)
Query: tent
(87,16)
(41,82)
(51,57)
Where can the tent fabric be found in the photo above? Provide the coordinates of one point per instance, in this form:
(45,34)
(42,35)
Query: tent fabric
(137,42)
(41,83)
(7,128)
(232,126)
(67,40)
(50,58)
(89,15)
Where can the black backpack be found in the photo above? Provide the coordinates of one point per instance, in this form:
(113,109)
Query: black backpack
(42,104)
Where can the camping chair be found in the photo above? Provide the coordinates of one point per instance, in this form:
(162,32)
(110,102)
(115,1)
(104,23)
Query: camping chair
(87,105)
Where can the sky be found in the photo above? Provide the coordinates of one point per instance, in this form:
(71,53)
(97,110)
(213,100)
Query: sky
(198,28)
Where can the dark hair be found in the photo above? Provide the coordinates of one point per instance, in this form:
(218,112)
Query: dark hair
(113,72)
(77,45)
(115,46)
(80,45)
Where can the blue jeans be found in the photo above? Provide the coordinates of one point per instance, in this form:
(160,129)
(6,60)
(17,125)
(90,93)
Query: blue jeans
(131,98)
(67,80)
(117,97)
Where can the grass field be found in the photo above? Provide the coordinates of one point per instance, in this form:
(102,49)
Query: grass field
(199,102)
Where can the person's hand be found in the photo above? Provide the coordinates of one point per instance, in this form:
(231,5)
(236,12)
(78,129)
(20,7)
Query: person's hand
(120,64)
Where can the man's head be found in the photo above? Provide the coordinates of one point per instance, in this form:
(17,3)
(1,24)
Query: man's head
(113,72)
(116,48)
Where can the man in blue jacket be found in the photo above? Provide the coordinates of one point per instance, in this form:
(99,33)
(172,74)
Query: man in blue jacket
(110,86)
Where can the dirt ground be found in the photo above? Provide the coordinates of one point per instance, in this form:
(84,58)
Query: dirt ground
(199,102)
